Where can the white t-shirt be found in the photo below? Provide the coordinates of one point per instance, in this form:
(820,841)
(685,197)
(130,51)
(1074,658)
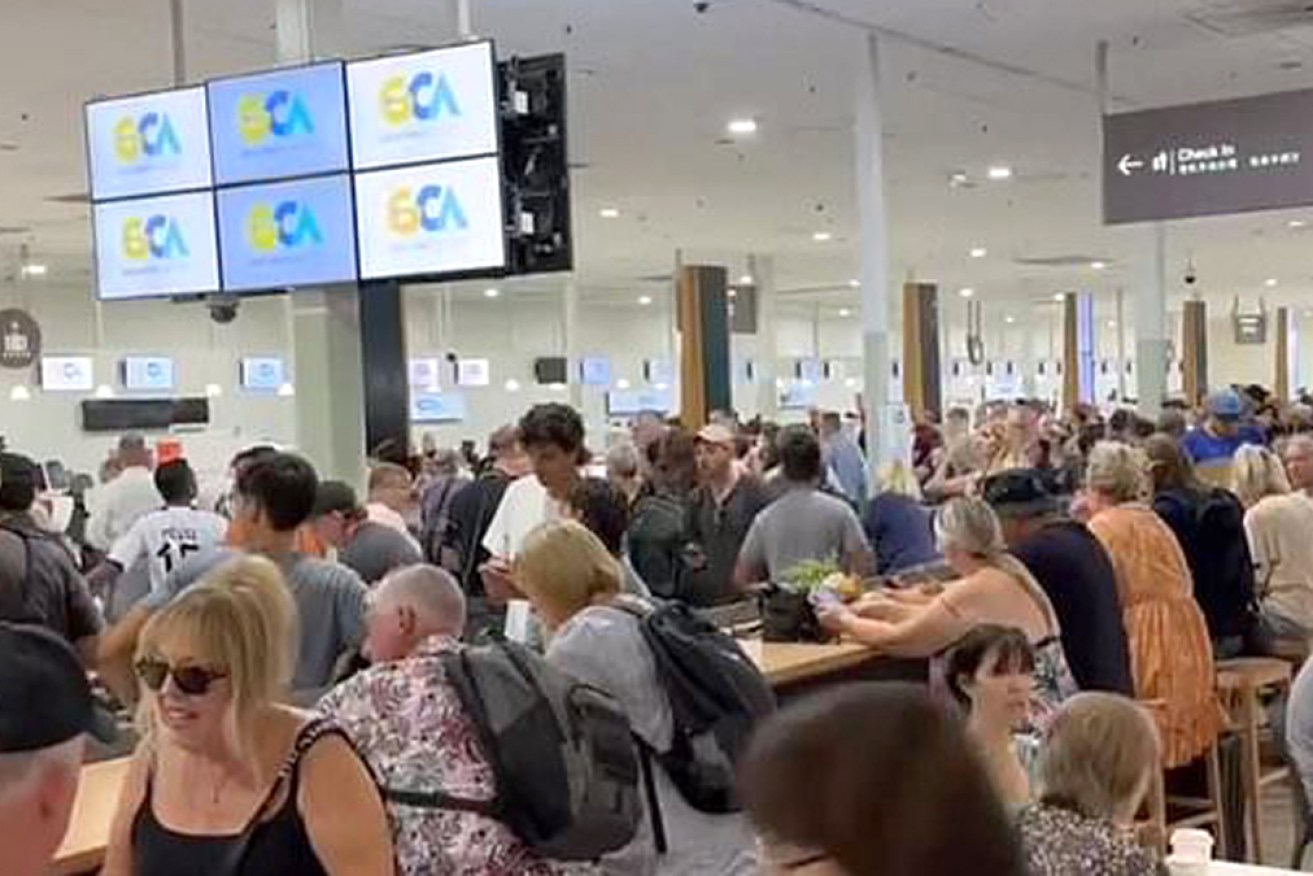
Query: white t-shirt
(524,507)
(166,537)
(116,506)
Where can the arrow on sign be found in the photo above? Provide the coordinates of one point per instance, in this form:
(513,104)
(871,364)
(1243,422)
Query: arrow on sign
(1129,164)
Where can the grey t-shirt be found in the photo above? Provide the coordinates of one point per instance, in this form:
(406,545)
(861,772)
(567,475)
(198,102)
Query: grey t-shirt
(376,549)
(803,524)
(330,602)
(604,647)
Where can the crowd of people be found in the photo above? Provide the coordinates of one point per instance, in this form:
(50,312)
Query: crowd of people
(299,657)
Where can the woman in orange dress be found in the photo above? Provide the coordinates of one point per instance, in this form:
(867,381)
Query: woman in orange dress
(1171,654)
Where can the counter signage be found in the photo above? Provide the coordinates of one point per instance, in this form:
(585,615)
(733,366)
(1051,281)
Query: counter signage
(1209,159)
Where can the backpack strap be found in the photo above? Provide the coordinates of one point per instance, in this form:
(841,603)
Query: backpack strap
(645,754)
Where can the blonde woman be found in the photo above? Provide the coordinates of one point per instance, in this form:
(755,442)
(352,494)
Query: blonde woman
(227,781)
(572,581)
(994,588)
(896,523)
(1171,654)
(1278,524)
(1098,758)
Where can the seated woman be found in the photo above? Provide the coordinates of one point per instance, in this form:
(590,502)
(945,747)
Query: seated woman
(1171,654)
(991,673)
(905,796)
(1277,523)
(571,579)
(994,588)
(227,780)
(1098,758)
(897,525)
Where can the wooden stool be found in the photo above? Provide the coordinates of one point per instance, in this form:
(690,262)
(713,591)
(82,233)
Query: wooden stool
(1206,811)
(1240,682)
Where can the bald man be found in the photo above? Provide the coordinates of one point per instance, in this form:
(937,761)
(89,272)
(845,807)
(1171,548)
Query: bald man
(407,720)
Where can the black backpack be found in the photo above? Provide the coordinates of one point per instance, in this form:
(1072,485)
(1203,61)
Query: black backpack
(14,605)
(1218,554)
(657,538)
(562,753)
(717,696)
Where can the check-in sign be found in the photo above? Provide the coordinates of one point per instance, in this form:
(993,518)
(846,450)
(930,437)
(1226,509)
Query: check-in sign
(1209,159)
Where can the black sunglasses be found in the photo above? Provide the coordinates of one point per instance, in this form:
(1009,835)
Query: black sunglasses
(191,680)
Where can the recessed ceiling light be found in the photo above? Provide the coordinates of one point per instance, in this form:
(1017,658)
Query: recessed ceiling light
(491,293)
(645,300)
(822,236)
(31,270)
(1270,282)
(745,280)
(556,387)
(1059,296)
(1296,223)
(966,292)
(742,127)
(622,384)
(979,252)
(1009,319)
(213,390)
(845,312)
(850,383)
(1112,323)
(20,393)
(958,178)
(855,284)
(512,385)
(609,213)
(661,387)
(731,293)
(1000,172)
(1098,266)
(104,391)
(286,390)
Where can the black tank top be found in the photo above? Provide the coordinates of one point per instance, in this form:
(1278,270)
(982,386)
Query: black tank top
(271,845)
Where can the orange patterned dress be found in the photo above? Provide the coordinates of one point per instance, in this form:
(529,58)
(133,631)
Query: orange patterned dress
(1171,654)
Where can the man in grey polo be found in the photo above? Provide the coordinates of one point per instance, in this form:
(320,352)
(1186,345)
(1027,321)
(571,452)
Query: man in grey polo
(370,549)
(802,524)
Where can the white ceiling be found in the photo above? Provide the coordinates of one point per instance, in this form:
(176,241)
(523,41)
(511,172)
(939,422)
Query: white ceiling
(967,84)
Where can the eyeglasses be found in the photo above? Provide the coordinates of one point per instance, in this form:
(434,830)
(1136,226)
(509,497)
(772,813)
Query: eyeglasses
(194,681)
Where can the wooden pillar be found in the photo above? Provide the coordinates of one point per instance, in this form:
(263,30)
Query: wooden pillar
(1070,353)
(1194,351)
(703,313)
(921,390)
(1281,385)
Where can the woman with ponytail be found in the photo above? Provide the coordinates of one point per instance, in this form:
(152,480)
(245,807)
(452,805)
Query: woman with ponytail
(994,588)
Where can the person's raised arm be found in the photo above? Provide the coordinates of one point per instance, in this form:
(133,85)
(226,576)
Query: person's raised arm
(343,812)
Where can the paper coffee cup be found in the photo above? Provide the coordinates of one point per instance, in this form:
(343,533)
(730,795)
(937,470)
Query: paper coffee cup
(1192,845)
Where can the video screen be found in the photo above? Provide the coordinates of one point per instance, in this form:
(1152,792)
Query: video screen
(437,407)
(148,373)
(263,373)
(281,235)
(427,106)
(67,374)
(148,145)
(285,123)
(156,246)
(434,219)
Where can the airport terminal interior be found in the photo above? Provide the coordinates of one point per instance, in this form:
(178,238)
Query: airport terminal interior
(528,437)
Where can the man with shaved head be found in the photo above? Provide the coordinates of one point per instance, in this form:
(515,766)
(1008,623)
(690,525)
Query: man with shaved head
(407,720)
(1297,454)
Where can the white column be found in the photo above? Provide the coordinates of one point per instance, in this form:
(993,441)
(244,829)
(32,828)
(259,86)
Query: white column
(570,329)
(762,269)
(874,244)
(1151,328)
(324,323)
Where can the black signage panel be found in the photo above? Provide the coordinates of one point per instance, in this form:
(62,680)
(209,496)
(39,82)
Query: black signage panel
(1209,159)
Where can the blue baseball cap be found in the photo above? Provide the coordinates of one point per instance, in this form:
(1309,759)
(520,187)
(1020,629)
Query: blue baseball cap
(1225,405)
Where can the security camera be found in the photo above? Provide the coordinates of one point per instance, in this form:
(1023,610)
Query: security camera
(223,308)
(701,6)
(1191,275)
(453,358)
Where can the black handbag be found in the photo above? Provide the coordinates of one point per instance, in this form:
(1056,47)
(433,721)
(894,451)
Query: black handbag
(787,616)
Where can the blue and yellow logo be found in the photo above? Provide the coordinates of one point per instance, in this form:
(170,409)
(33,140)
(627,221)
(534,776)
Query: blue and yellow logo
(279,113)
(150,135)
(422,98)
(434,209)
(286,225)
(153,237)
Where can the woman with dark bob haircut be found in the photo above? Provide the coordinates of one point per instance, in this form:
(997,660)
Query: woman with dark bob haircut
(874,780)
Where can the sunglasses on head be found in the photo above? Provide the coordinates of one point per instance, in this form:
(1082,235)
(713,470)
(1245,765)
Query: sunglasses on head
(192,680)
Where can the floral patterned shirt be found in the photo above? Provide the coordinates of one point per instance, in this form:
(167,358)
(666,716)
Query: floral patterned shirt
(1060,842)
(408,722)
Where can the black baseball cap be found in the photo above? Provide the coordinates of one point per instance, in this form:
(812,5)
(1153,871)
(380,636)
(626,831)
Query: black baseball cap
(1018,492)
(334,497)
(45,698)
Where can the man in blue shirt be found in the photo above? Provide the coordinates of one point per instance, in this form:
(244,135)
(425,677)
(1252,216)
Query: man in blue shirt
(1221,434)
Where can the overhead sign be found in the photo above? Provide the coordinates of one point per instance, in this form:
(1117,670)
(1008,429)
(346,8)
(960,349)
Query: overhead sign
(20,339)
(147,145)
(285,123)
(1209,159)
(156,246)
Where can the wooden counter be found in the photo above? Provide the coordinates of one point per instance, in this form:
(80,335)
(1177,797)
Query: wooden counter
(83,849)
(789,662)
